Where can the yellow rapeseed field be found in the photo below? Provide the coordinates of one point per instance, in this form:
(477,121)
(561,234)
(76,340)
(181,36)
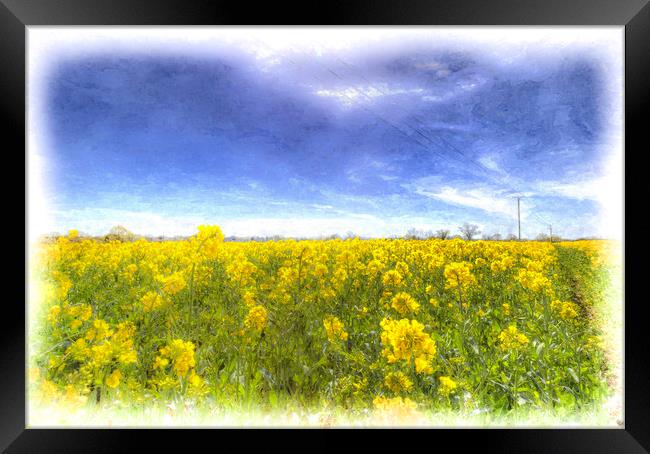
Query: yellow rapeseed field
(388,326)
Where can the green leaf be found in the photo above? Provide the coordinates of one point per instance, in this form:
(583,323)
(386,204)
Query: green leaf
(273,398)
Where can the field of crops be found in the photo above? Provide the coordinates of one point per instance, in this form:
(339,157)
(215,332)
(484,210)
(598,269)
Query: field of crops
(390,328)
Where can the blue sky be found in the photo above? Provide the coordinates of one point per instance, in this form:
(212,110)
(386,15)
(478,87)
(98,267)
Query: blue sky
(313,140)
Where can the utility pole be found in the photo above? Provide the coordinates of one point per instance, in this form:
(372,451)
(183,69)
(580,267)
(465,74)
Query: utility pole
(518,217)
(550,229)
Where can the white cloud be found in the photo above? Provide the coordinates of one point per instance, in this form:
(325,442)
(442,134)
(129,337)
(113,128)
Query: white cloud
(98,221)
(490,162)
(460,89)
(479,198)
(606,190)
(441,69)
(366,93)
(322,207)
(585,189)
(431,65)
(433,98)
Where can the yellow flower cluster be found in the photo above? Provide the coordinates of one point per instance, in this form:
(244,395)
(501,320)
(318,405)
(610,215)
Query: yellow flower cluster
(248,299)
(512,339)
(406,340)
(181,355)
(151,301)
(504,263)
(72,316)
(374,267)
(100,350)
(334,329)
(404,303)
(566,309)
(241,270)
(534,280)
(392,278)
(458,274)
(209,238)
(256,318)
(398,382)
(207,232)
(447,385)
(99,331)
(129,272)
(173,284)
(113,380)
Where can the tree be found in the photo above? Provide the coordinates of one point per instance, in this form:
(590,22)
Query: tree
(412,234)
(511,237)
(442,234)
(545,237)
(415,234)
(491,237)
(469,231)
(120,233)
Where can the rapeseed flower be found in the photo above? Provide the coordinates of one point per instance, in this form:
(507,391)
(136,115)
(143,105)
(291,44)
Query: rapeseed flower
(405,340)
(447,385)
(256,318)
(113,380)
(150,301)
(458,274)
(181,355)
(173,284)
(534,281)
(512,339)
(565,309)
(392,278)
(334,329)
(404,303)
(99,331)
(398,382)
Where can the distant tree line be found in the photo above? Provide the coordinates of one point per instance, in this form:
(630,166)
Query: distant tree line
(466,231)
(470,232)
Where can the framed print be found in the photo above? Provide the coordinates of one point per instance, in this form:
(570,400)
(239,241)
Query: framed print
(371,224)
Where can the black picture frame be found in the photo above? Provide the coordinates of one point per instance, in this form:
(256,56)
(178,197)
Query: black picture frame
(634,15)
